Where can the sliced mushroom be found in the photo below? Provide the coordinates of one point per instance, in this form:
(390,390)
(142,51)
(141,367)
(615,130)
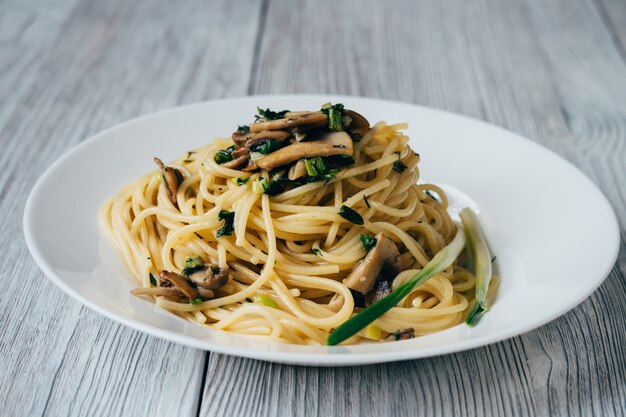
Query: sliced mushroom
(382,288)
(238,151)
(336,143)
(403,334)
(172,179)
(297,170)
(169,292)
(382,262)
(358,124)
(210,277)
(240,138)
(180,282)
(262,137)
(237,162)
(299,120)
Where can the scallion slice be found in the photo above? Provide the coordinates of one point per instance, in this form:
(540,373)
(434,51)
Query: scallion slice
(482,263)
(443,259)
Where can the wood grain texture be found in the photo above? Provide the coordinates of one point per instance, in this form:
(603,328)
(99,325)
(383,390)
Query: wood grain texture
(553,71)
(70,69)
(547,70)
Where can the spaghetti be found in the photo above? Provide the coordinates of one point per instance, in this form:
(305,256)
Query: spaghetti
(270,251)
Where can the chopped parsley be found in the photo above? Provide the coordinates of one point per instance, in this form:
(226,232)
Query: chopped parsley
(243,129)
(367,203)
(224,155)
(334,113)
(368,242)
(399,166)
(271,187)
(229,219)
(196,301)
(241,181)
(188,159)
(267,114)
(339,161)
(431,195)
(267,147)
(192,264)
(318,169)
(350,215)
(153,280)
(317,251)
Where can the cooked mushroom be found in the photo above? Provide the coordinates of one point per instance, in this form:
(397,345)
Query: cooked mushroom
(382,288)
(297,170)
(336,143)
(210,277)
(316,118)
(237,162)
(358,124)
(169,292)
(238,151)
(381,263)
(172,179)
(240,138)
(262,137)
(403,334)
(180,282)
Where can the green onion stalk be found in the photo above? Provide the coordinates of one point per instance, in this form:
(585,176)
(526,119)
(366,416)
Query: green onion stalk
(482,263)
(443,259)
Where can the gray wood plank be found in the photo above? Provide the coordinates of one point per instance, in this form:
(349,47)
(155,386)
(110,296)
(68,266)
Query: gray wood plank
(70,69)
(613,13)
(547,70)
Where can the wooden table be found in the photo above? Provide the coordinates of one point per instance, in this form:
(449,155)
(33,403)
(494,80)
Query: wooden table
(551,70)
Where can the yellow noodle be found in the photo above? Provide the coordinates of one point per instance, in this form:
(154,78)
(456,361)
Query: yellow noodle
(294,247)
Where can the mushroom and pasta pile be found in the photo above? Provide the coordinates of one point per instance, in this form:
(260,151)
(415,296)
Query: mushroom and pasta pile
(295,224)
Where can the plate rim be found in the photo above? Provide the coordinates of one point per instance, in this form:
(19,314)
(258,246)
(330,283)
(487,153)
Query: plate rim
(307,358)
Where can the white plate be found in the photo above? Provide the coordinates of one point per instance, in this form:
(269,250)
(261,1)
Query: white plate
(553,232)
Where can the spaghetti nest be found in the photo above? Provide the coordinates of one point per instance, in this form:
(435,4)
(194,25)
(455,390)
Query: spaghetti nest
(285,255)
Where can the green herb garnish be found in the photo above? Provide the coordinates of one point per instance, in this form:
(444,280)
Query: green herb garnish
(444,258)
(334,113)
(243,129)
(267,147)
(241,181)
(339,161)
(271,187)
(192,264)
(188,159)
(482,263)
(399,166)
(318,170)
(368,242)
(431,195)
(267,114)
(317,251)
(350,215)
(229,219)
(266,300)
(153,280)
(224,155)
(367,203)
(196,301)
